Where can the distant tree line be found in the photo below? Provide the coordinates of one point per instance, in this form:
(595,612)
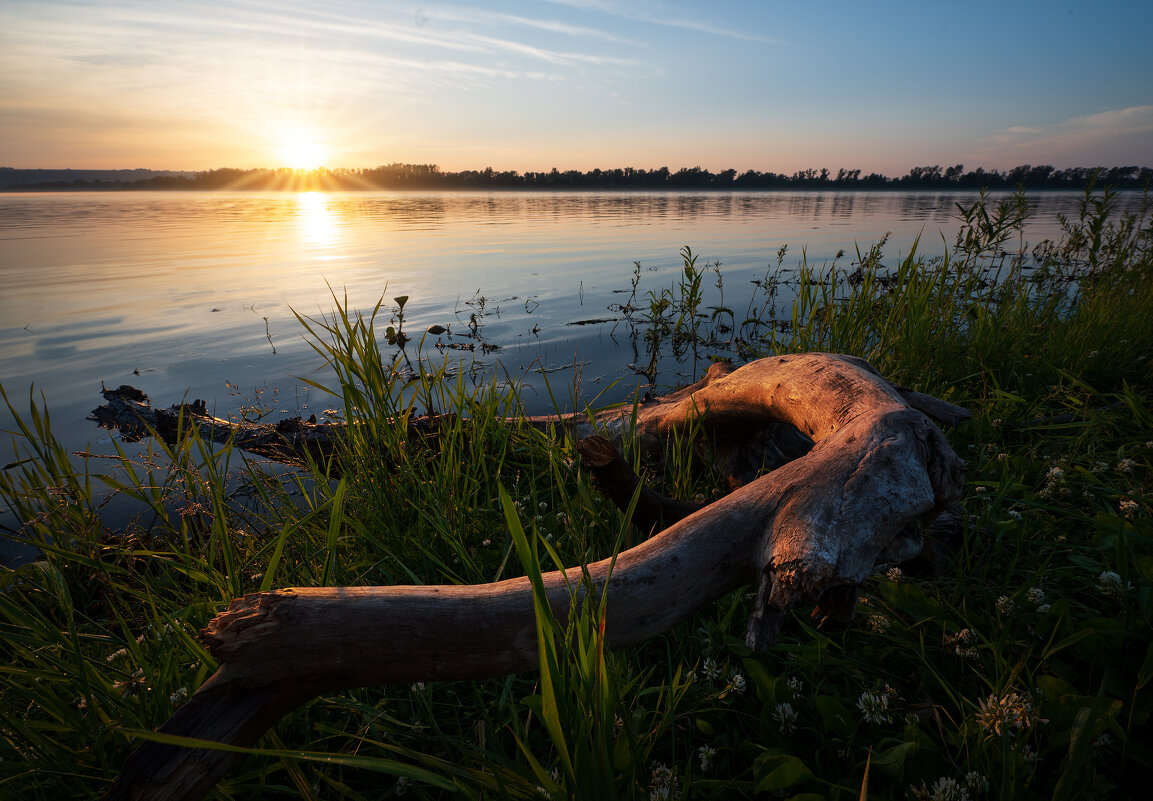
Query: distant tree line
(430,176)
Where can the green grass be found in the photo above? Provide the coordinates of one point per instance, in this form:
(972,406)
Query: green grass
(1024,672)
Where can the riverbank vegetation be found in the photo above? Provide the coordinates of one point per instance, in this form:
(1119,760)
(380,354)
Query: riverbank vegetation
(430,177)
(1024,670)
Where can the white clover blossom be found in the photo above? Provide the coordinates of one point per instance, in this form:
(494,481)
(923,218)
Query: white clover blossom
(737,681)
(947,788)
(1128,507)
(1125,466)
(1007,714)
(879,623)
(1035,595)
(1005,605)
(178,696)
(711,669)
(976,783)
(961,644)
(1099,467)
(1110,584)
(663,783)
(786,717)
(706,754)
(1044,608)
(874,707)
(894,574)
(1013,513)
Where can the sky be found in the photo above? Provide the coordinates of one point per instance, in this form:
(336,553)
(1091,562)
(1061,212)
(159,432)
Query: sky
(773,85)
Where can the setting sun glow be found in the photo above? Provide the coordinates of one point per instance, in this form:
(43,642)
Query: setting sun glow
(301,152)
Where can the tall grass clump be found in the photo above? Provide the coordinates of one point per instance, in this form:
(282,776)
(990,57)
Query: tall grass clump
(1024,670)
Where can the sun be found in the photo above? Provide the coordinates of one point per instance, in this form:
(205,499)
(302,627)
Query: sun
(302,152)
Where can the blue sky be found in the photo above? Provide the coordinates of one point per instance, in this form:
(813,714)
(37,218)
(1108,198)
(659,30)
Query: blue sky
(575,84)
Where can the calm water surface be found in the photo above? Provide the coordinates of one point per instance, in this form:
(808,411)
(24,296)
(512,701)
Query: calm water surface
(184,294)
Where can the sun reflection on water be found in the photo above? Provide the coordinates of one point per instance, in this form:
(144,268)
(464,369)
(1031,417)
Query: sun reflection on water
(317,219)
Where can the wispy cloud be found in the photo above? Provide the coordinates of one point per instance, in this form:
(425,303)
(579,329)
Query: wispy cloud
(657,15)
(1074,138)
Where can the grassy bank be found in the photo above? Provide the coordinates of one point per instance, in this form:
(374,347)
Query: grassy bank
(1024,672)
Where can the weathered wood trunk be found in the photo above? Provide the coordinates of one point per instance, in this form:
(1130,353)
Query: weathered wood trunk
(873,469)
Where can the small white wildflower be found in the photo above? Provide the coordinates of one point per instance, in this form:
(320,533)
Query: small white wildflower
(796,687)
(1035,595)
(1013,513)
(874,707)
(711,669)
(1110,584)
(785,717)
(976,783)
(706,753)
(947,788)
(1125,466)
(1005,714)
(418,687)
(737,681)
(1002,456)
(1093,354)
(911,719)
(1128,507)
(1149,444)
(117,655)
(1055,473)
(485,543)
(663,783)
(1044,608)
(1099,467)
(996,422)
(543,506)
(894,574)
(879,623)
(982,490)
(1005,605)
(178,696)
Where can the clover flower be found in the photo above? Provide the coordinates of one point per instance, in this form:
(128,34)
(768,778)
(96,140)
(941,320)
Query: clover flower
(874,707)
(1128,507)
(1008,714)
(711,669)
(1125,466)
(737,681)
(1110,584)
(879,623)
(1035,595)
(976,783)
(796,687)
(785,717)
(894,574)
(663,783)
(705,754)
(1005,605)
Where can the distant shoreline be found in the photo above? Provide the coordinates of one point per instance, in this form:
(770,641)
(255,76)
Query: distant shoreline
(429,177)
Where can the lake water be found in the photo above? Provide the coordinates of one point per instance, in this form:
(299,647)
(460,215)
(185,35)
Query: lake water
(192,294)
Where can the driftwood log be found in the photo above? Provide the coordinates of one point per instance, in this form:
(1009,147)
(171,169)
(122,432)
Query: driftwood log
(872,469)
